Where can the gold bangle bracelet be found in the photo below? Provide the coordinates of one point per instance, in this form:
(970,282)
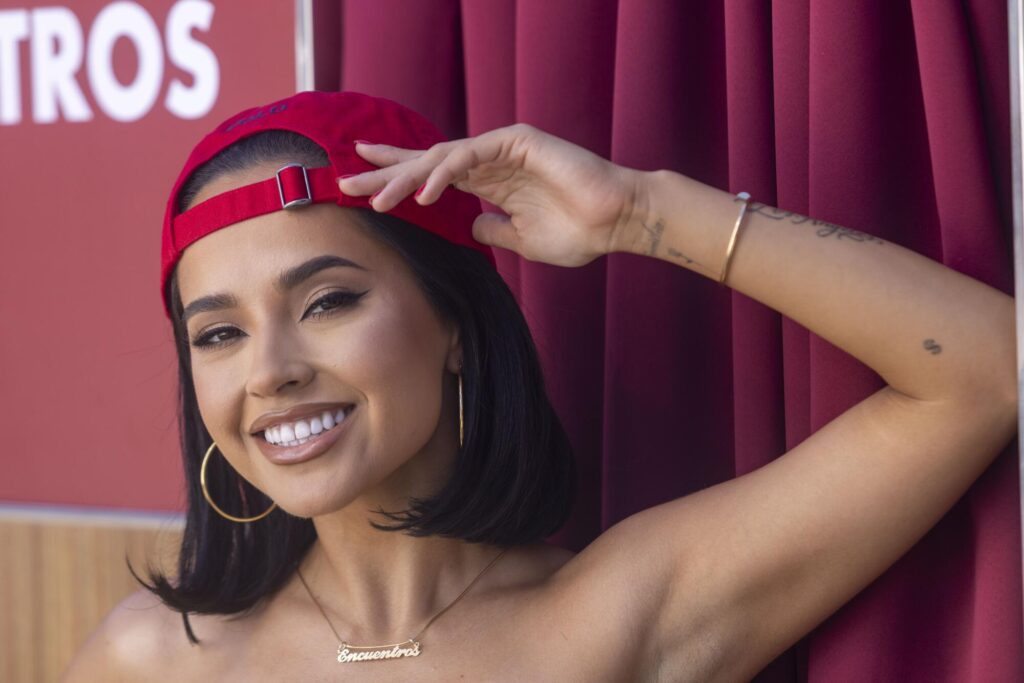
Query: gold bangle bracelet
(745,198)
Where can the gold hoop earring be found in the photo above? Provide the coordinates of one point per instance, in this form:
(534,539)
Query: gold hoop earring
(206,493)
(460,410)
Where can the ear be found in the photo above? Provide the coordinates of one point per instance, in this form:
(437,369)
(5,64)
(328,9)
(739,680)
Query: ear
(453,363)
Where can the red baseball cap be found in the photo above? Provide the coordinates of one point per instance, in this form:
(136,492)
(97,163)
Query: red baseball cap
(334,120)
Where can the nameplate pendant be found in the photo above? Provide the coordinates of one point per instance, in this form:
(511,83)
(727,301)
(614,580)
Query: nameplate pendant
(354,653)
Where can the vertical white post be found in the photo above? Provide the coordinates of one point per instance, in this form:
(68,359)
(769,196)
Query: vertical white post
(1016,25)
(304,55)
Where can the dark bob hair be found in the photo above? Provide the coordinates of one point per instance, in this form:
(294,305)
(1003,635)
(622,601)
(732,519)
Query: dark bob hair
(513,481)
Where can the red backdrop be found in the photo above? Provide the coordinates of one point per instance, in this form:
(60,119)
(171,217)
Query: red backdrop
(87,369)
(887,116)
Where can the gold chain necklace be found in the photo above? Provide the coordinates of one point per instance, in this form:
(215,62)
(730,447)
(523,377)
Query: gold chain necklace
(407,648)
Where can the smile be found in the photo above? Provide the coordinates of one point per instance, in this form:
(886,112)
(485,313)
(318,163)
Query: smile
(301,431)
(290,443)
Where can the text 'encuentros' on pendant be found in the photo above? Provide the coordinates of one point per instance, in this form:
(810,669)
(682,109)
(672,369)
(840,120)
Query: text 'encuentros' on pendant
(355,653)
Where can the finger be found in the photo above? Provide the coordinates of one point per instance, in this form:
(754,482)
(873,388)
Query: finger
(496,230)
(394,191)
(362,184)
(460,157)
(386,155)
(407,176)
(454,167)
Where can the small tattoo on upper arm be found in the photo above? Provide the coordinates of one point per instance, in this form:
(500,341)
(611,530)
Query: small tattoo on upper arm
(932,347)
(825,229)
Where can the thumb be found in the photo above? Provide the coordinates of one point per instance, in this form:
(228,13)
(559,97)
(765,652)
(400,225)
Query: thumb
(496,230)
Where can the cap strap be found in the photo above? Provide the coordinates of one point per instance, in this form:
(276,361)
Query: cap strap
(286,189)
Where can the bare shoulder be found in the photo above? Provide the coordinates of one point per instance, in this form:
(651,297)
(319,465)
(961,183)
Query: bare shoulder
(136,641)
(538,562)
(528,570)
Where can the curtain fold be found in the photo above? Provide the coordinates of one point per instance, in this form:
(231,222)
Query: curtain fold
(886,116)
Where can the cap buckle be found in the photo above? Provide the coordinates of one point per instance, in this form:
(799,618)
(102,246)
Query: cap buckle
(286,177)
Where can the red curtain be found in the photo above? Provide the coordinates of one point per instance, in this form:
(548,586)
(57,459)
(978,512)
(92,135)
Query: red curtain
(888,116)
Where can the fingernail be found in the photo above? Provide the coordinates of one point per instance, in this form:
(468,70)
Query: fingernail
(347,175)
(362,142)
(422,187)
(374,196)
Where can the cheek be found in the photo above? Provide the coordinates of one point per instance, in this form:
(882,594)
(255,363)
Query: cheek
(208,381)
(397,363)
(218,402)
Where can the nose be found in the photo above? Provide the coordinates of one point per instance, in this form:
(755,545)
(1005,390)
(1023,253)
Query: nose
(278,362)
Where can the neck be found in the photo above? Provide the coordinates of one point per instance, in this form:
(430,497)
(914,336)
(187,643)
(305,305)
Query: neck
(382,586)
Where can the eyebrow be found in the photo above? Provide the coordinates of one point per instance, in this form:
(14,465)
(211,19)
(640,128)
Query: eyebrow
(289,279)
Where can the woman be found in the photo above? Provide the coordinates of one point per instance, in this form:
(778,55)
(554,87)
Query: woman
(322,350)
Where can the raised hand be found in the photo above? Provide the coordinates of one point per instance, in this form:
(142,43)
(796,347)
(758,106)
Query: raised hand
(566,206)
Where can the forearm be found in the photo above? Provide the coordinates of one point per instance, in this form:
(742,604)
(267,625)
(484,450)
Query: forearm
(929,331)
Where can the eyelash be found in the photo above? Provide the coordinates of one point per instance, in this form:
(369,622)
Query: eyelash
(343,298)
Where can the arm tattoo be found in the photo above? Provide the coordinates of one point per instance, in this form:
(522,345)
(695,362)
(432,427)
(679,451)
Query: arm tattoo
(840,232)
(931,347)
(825,229)
(654,232)
(681,256)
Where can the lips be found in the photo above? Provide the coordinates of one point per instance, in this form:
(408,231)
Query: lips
(316,445)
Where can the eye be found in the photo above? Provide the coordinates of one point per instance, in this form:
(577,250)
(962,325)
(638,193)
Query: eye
(331,302)
(326,305)
(209,338)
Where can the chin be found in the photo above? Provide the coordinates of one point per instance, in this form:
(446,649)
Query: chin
(315,503)
(311,507)
(329,491)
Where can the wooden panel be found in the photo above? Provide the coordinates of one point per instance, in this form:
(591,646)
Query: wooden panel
(60,574)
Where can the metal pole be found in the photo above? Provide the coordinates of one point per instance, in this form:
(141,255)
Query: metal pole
(1016,16)
(305,77)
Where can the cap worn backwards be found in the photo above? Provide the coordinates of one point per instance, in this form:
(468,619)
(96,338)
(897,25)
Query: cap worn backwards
(333,120)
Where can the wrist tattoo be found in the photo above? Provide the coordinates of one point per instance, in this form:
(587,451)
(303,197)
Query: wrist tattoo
(680,256)
(825,229)
(654,235)
(931,347)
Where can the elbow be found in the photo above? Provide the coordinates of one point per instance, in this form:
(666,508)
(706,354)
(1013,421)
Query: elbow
(1007,380)
(1001,389)
(997,362)
(1010,395)
(1001,393)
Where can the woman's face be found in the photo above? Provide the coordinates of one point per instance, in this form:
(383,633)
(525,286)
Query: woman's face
(363,336)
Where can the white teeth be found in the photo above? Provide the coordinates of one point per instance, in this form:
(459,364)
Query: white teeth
(300,431)
(287,433)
